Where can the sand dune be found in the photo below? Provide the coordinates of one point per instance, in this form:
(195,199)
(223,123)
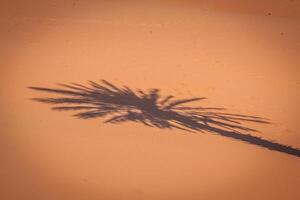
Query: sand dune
(240,55)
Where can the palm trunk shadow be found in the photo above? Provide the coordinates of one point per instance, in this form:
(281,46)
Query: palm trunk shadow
(121,104)
(246,138)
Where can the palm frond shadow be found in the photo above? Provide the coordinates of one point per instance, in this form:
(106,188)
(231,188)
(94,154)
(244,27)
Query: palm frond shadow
(121,104)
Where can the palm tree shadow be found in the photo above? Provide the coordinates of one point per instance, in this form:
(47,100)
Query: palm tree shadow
(121,104)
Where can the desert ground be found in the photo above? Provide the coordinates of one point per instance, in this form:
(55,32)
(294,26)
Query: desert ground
(240,55)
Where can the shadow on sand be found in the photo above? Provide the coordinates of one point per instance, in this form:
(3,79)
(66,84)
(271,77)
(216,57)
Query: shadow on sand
(121,104)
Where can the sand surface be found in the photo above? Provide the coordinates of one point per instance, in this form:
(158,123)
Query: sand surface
(241,55)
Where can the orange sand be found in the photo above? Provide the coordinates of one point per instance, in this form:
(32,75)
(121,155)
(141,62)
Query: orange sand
(242,55)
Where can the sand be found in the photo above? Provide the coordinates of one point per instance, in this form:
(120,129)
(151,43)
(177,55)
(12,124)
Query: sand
(241,55)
